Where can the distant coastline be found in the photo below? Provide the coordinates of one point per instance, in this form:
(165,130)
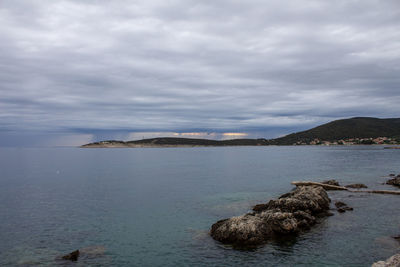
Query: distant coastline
(353,131)
(234,142)
(388,143)
(177,142)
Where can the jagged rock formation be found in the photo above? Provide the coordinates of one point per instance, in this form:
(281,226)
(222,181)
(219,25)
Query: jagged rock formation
(291,213)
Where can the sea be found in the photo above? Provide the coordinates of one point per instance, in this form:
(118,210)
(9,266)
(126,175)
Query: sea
(155,206)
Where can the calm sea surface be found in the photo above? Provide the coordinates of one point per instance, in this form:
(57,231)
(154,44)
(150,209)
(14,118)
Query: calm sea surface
(154,206)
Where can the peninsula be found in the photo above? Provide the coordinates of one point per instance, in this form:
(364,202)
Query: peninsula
(353,131)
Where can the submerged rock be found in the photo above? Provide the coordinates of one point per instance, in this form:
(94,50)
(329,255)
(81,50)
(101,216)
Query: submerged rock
(73,256)
(357,186)
(84,253)
(339,204)
(290,214)
(342,207)
(391,262)
(395,181)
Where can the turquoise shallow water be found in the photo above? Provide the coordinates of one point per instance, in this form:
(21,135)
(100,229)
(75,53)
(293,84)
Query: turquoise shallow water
(154,207)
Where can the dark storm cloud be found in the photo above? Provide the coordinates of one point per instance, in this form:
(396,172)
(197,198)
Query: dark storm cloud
(212,65)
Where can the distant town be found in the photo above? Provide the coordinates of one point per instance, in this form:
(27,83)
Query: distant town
(353,141)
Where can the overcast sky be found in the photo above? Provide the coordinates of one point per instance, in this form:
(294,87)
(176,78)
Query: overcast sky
(87,70)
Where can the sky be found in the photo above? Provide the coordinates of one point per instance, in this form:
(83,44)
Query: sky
(73,72)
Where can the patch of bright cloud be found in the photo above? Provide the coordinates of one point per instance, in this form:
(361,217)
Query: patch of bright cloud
(232,135)
(235,134)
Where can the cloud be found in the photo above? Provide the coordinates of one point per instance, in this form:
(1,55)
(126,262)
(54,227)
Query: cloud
(235,134)
(206,66)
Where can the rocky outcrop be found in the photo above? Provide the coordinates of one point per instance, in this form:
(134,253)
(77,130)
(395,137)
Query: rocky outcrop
(393,261)
(394,181)
(357,186)
(291,213)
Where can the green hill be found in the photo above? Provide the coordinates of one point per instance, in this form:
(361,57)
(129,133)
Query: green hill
(359,127)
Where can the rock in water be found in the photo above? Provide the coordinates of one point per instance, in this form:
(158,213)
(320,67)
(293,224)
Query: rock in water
(342,207)
(291,213)
(73,256)
(331,182)
(339,204)
(394,181)
(357,186)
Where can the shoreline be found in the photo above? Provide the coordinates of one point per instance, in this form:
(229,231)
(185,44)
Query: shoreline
(189,146)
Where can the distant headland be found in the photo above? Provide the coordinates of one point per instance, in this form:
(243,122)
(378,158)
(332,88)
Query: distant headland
(353,131)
